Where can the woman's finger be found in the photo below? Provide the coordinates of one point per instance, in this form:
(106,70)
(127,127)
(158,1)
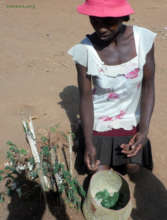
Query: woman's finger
(127,149)
(92,164)
(131,150)
(132,140)
(97,163)
(122,145)
(88,163)
(136,150)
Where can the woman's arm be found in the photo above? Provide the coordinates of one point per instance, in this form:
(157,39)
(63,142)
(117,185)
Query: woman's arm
(148,93)
(147,105)
(86,114)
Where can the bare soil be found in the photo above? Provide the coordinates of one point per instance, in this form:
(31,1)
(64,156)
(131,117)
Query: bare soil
(37,77)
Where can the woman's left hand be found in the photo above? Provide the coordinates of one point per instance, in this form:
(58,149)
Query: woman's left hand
(135,144)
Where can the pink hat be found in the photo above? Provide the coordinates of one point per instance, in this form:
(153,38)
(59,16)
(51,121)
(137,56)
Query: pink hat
(105,8)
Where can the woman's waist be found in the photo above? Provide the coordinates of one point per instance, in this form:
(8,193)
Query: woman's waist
(116,126)
(116,132)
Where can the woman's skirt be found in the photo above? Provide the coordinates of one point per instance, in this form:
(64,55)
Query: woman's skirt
(108,151)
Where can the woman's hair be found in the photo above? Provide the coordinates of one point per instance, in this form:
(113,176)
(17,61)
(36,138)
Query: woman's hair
(109,20)
(126,18)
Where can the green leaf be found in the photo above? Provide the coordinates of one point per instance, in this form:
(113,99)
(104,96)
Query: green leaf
(105,203)
(11,169)
(61,188)
(23,152)
(25,130)
(74,188)
(1,171)
(44,139)
(70,194)
(9,191)
(53,129)
(62,166)
(66,174)
(10,143)
(108,201)
(75,181)
(114,199)
(7,168)
(1,198)
(1,178)
(56,168)
(31,160)
(9,175)
(73,136)
(64,135)
(78,204)
(82,191)
(45,167)
(55,147)
(45,151)
(68,180)
(9,155)
(102,195)
(13,149)
(34,174)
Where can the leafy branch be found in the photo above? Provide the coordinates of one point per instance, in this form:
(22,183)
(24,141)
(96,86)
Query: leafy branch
(21,166)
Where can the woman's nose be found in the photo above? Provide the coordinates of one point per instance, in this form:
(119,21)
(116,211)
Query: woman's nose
(102,30)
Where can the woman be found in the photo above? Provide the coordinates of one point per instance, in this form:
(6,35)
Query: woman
(118,60)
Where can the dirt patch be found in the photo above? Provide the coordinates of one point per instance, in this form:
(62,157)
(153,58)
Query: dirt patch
(37,77)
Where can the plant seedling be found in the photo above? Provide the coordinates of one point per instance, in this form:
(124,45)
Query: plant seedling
(107,200)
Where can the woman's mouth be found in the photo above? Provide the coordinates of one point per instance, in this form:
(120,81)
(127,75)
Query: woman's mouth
(104,36)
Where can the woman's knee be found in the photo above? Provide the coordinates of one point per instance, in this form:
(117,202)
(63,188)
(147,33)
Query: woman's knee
(132,168)
(103,167)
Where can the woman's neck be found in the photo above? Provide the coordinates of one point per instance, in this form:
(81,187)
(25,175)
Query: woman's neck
(114,40)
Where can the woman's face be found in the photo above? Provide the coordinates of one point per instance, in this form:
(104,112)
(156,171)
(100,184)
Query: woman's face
(106,28)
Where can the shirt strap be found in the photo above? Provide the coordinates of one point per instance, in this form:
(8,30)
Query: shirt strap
(137,39)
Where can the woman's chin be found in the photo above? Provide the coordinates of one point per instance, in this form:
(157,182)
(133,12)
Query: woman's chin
(105,38)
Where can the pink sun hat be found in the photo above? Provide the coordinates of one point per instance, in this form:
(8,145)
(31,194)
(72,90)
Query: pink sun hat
(105,8)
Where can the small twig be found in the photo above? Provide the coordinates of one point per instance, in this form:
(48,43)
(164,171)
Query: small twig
(32,142)
(65,157)
(70,153)
(57,177)
(30,134)
(53,159)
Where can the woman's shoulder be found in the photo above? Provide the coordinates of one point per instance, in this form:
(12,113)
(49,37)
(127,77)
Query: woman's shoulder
(79,51)
(143,31)
(145,39)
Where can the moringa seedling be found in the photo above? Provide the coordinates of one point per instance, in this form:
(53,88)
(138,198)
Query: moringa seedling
(107,200)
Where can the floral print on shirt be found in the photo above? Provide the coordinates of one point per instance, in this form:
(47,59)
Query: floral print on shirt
(133,74)
(108,118)
(113,95)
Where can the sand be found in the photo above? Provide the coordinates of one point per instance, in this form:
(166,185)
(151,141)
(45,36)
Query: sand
(37,77)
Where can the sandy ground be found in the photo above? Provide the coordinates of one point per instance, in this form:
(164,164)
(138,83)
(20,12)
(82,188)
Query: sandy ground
(38,77)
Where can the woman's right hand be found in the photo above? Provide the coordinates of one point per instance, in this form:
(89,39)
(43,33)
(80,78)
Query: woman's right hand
(87,116)
(90,158)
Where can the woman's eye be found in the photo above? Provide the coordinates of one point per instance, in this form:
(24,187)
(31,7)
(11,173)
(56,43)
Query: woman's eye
(110,23)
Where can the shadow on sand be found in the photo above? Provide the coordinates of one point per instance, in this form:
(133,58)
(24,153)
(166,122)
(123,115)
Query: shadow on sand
(150,195)
(32,204)
(70,103)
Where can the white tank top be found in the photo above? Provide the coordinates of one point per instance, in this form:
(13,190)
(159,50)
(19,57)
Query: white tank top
(117,88)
